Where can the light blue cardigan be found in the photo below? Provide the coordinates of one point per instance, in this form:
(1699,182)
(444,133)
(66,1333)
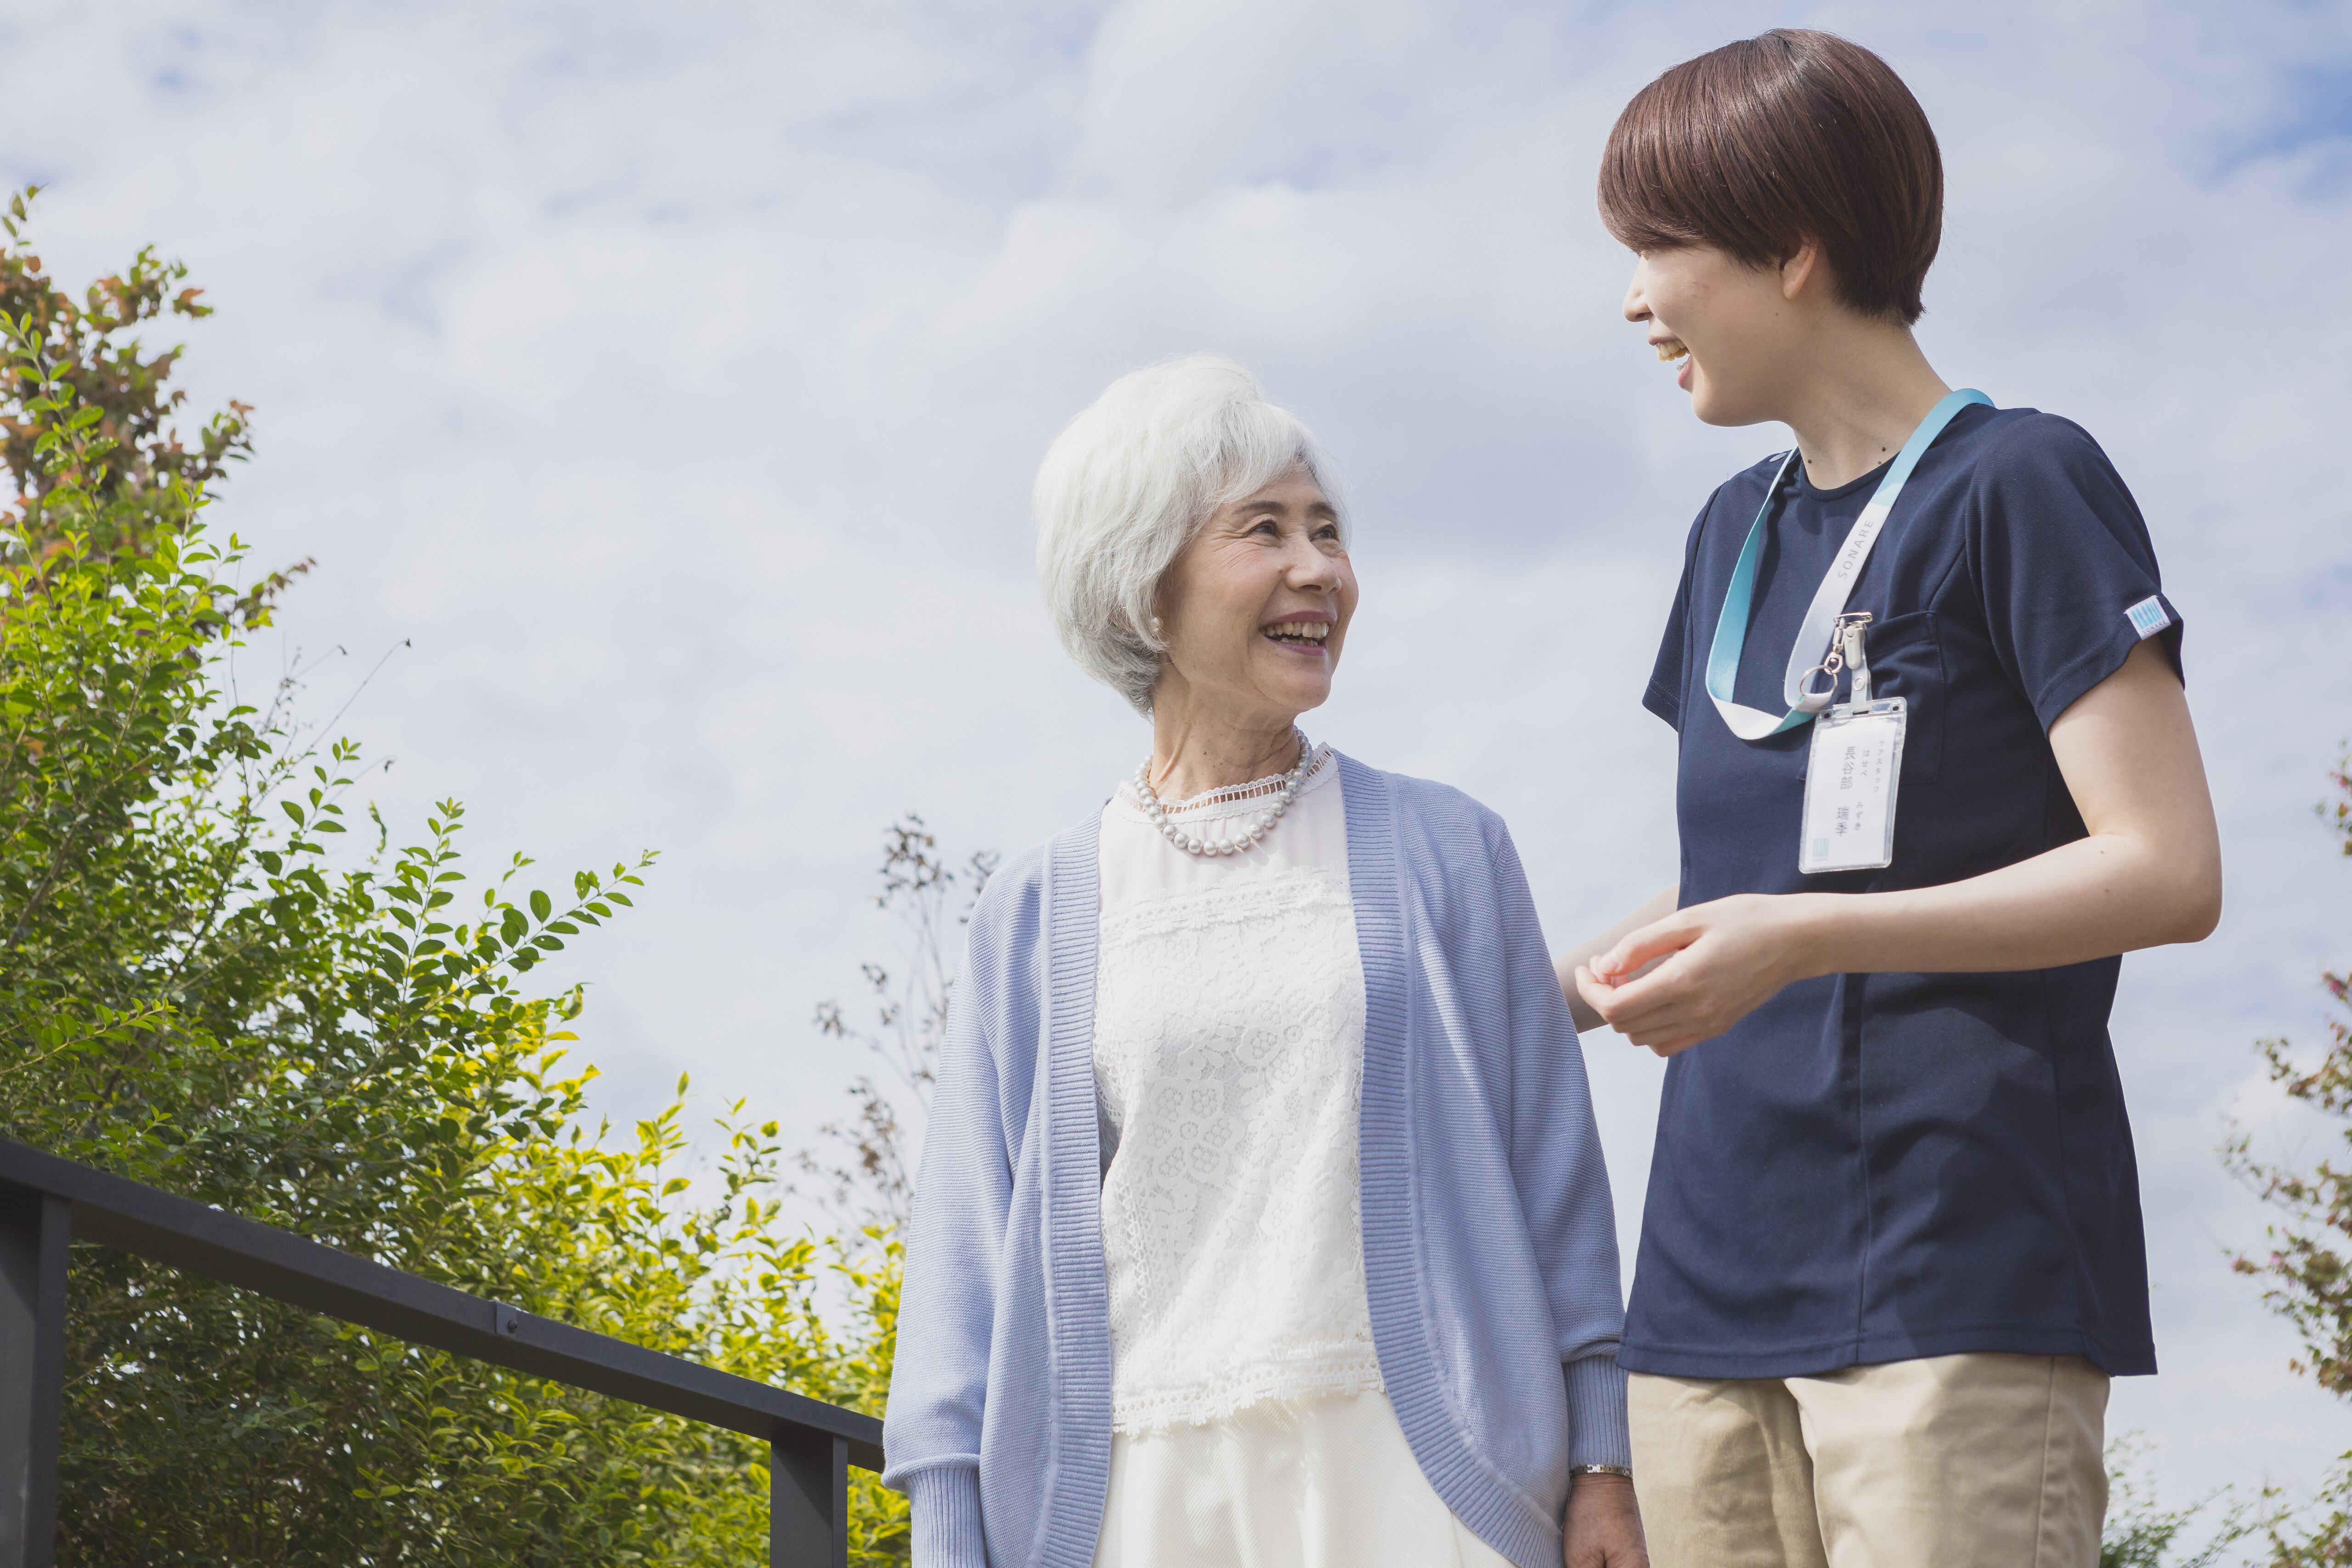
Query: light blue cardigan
(1490,1249)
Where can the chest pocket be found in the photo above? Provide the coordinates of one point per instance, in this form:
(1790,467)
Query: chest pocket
(1907,661)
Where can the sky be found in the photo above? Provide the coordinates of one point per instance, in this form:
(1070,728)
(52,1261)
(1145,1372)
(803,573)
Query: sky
(660,387)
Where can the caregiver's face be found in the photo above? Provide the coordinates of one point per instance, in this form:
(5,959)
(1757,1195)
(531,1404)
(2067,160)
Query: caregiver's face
(1257,608)
(1723,325)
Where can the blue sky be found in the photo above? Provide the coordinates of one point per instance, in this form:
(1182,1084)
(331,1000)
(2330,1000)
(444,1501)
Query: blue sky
(664,383)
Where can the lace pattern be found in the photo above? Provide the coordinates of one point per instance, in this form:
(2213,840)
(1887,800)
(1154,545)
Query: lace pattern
(1229,1025)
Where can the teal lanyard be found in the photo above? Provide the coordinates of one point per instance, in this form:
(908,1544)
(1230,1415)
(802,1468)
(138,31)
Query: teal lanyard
(1814,636)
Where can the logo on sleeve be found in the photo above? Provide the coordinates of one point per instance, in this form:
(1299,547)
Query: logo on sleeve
(2149,617)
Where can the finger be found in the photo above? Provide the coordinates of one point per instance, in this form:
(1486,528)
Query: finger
(1599,994)
(1670,983)
(1673,1035)
(1675,1018)
(1660,1021)
(1653,941)
(1668,1003)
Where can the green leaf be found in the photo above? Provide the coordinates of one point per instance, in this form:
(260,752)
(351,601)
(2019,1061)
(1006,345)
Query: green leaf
(206,1005)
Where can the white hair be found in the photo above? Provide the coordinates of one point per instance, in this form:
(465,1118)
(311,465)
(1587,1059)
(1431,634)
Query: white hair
(1126,485)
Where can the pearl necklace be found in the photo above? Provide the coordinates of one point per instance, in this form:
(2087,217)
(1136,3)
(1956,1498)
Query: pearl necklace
(1247,839)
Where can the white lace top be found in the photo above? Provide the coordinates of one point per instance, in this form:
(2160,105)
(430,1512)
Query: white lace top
(1229,1037)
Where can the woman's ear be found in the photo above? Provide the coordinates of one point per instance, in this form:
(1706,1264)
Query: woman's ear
(1800,270)
(1152,630)
(1155,626)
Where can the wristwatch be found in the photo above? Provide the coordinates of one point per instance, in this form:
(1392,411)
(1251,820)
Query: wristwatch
(1623,1470)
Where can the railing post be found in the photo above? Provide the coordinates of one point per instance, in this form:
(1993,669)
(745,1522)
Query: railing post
(808,1501)
(35,1228)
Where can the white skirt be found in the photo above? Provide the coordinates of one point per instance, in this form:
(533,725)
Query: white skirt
(1316,1483)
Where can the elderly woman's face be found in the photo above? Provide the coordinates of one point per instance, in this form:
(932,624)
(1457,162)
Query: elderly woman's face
(1256,609)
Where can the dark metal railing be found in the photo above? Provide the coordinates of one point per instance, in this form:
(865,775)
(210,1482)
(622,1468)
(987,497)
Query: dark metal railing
(47,1203)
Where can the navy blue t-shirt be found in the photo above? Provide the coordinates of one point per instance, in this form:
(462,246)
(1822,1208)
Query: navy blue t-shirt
(1879,1167)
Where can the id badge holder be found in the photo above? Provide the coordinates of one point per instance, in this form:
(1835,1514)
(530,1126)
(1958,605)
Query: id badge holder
(1856,771)
(1851,785)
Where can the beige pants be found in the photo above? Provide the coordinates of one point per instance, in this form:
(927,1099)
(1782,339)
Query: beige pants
(1955,1462)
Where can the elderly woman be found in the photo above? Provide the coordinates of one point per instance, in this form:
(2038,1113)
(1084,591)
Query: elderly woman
(1262,1219)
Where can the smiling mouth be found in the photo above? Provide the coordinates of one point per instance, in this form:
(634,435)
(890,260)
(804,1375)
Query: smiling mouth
(1299,634)
(1672,350)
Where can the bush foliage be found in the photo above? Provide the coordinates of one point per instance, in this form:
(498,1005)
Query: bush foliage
(2306,1271)
(208,985)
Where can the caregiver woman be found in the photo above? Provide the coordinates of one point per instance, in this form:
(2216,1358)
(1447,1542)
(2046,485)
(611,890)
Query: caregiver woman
(1935,772)
(1262,1218)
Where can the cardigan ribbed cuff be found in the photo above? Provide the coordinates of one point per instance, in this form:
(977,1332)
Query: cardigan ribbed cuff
(1596,1412)
(945,1500)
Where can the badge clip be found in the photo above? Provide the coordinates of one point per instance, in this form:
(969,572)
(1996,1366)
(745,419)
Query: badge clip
(1845,648)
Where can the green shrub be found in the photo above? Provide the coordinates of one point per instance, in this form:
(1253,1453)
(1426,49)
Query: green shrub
(2306,1270)
(197,993)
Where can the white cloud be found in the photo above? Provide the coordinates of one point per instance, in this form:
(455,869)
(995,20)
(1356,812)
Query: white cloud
(671,378)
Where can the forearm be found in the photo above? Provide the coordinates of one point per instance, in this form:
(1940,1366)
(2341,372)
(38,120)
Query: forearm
(1597,1432)
(2147,872)
(1566,963)
(948,1302)
(945,1504)
(2098,896)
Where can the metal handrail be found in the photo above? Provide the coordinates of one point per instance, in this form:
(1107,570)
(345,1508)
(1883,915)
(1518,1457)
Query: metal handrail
(46,1203)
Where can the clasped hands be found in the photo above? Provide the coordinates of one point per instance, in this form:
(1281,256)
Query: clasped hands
(1689,977)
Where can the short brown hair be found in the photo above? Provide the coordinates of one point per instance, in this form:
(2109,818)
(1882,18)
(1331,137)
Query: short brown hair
(1763,144)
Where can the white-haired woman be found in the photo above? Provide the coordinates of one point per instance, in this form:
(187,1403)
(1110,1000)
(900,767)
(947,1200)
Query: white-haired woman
(1262,1219)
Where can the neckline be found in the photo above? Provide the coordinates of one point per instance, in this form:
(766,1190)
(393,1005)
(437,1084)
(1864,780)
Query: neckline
(1232,800)
(1813,493)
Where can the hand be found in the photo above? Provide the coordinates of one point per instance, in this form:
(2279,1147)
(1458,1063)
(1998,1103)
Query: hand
(1603,1528)
(1707,967)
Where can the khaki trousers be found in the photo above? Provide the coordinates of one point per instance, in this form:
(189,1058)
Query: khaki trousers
(1957,1461)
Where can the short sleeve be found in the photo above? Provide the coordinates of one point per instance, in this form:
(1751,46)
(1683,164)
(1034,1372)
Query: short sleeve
(1664,697)
(2064,563)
